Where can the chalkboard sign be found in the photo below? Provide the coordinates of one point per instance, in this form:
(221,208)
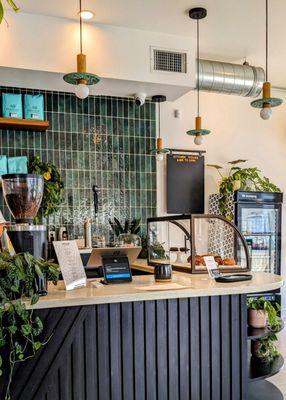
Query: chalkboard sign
(185,183)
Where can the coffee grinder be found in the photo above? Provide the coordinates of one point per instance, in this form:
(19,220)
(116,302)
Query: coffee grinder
(23,194)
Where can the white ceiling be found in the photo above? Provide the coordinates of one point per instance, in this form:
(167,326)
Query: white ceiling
(234,29)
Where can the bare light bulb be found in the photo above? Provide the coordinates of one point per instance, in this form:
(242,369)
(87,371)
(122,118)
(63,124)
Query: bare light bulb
(86,14)
(198,140)
(159,157)
(81,91)
(266,113)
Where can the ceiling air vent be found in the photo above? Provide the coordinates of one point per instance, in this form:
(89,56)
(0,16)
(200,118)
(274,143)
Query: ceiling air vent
(168,60)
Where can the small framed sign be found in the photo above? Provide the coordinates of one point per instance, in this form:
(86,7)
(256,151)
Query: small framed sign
(70,264)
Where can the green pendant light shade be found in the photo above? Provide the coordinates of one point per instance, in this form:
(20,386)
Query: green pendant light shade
(198,133)
(81,79)
(266,102)
(74,78)
(159,150)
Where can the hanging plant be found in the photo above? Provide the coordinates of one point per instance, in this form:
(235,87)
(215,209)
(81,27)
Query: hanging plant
(237,178)
(53,186)
(11,4)
(20,329)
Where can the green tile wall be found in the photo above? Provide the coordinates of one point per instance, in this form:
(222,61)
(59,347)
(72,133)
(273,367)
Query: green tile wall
(102,141)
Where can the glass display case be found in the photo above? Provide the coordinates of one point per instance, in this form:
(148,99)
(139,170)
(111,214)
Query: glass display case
(183,241)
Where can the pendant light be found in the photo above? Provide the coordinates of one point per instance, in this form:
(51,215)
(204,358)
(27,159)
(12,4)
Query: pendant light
(81,78)
(197,14)
(160,151)
(267,102)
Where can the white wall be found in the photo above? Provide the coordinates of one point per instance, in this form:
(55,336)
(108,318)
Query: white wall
(50,44)
(237,131)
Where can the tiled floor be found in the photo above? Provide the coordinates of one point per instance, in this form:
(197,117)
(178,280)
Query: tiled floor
(280,379)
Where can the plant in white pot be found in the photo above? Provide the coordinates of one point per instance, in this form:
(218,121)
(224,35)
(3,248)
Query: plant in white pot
(262,313)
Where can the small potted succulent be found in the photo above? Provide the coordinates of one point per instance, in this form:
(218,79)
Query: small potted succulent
(262,313)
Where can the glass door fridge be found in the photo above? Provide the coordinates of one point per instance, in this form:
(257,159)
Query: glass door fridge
(258,216)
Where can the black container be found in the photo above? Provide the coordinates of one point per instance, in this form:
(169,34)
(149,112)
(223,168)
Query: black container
(163,272)
(41,285)
(29,238)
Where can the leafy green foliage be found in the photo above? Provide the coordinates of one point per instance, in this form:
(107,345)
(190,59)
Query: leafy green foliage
(53,186)
(272,310)
(238,178)
(132,226)
(11,4)
(266,349)
(19,328)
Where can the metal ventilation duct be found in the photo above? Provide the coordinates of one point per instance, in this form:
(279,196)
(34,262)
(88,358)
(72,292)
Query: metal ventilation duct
(221,77)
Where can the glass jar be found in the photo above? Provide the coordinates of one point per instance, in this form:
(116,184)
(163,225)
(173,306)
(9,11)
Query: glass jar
(129,240)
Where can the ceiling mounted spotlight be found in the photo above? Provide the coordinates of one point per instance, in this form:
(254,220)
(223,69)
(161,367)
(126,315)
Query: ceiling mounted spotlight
(81,79)
(198,133)
(160,150)
(266,102)
(86,14)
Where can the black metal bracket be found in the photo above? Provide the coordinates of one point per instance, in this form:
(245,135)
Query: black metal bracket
(199,152)
(197,13)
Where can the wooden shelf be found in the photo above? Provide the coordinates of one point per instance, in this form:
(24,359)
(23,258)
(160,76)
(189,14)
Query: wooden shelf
(23,124)
(263,390)
(259,333)
(259,370)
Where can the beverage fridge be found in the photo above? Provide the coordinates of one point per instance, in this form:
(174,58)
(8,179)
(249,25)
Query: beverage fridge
(258,216)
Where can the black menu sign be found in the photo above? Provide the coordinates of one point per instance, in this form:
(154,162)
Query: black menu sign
(185,183)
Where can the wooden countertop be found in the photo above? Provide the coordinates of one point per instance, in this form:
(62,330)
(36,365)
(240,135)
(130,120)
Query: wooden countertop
(195,286)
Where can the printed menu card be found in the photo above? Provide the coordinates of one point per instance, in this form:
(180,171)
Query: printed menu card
(70,264)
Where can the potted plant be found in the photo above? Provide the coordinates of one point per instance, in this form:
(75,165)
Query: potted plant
(262,313)
(265,349)
(53,187)
(238,178)
(20,328)
(126,235)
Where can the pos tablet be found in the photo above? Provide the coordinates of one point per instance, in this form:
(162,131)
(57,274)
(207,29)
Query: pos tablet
(116,269)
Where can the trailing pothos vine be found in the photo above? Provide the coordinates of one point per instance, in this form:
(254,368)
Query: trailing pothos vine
(238,178)
(20,328)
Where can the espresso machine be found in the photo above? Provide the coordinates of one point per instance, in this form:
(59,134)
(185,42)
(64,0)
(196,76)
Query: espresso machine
(23,194)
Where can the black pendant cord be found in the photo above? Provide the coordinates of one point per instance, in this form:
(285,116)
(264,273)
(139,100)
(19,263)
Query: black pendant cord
(266,41)
(80,26)
(159,126)
(198,67)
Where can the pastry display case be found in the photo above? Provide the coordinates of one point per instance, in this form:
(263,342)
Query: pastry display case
(183,241)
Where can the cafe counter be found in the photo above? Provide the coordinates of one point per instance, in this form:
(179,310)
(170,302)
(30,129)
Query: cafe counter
(143,340)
